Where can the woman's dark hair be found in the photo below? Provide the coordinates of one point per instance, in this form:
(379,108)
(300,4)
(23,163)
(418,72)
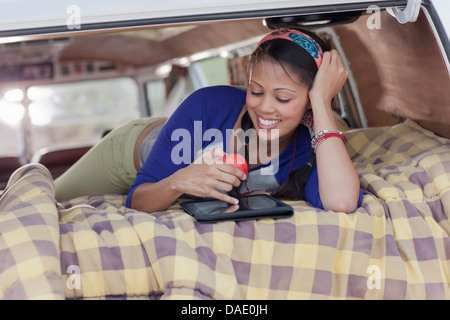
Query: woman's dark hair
(292,58)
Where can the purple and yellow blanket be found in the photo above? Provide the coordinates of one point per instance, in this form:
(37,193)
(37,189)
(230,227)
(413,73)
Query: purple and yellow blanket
(395,246)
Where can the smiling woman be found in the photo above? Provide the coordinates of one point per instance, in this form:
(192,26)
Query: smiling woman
(286,78)
(274,105)
(81,63)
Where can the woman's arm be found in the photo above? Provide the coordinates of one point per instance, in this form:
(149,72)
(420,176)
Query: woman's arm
(338,180)
(201,178)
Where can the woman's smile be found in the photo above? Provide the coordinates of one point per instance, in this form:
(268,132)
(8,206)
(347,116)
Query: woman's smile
(267,123)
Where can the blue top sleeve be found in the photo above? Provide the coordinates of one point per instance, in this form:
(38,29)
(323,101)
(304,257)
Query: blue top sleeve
(182,135)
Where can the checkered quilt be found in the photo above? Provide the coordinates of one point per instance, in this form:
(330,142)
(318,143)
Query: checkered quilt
(396,245)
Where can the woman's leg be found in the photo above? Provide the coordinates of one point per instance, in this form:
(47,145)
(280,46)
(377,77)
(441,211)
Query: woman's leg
(109,166)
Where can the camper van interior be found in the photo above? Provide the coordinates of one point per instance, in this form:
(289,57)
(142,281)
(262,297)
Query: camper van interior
(61,92)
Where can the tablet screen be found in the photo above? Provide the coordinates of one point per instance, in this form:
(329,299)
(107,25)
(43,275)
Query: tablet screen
(251,206)
(245,203)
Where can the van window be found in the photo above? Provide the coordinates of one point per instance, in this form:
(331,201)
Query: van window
(79,112)
(215,70)
(164,95)
(11,113)
(156,96)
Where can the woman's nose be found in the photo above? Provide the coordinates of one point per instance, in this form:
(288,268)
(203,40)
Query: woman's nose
(267,105)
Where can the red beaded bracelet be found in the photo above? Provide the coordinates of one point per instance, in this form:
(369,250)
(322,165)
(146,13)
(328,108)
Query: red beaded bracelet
(325,134)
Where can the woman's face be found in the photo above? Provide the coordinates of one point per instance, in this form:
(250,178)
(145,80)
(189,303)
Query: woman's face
(276,100)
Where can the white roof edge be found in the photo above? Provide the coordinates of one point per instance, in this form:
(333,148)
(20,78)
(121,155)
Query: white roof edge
(59,13)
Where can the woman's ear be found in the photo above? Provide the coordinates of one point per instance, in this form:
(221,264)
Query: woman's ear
(308,121)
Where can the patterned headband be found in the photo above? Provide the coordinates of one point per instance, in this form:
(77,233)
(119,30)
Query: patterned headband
(300,38)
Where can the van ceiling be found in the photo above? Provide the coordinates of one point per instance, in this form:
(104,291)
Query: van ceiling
(135,48)
(153,46)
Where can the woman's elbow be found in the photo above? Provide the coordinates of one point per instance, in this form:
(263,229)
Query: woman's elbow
(346,204)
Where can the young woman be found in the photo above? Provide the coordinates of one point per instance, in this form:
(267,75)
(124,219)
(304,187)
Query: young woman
(283,121)
(290,73)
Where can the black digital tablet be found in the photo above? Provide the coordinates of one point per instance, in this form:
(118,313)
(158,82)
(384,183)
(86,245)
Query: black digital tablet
(256,206)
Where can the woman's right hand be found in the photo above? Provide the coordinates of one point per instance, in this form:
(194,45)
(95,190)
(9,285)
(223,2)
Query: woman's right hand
(207,175)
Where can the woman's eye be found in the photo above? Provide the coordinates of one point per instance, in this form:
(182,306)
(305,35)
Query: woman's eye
(283,100)
(257,93)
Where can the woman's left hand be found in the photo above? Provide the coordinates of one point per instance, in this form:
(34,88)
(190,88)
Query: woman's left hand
(330,77)
(338,179)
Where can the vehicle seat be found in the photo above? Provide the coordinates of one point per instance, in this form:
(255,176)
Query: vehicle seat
(7,166)
(57,161)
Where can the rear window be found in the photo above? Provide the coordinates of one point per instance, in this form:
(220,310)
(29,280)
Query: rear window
(80,112)
(11,114)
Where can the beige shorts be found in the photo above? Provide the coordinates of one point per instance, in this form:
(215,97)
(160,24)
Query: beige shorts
(108,167)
